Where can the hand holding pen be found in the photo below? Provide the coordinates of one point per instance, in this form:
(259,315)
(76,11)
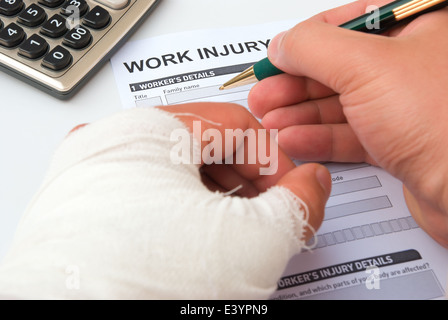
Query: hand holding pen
(352,97)
(381,19)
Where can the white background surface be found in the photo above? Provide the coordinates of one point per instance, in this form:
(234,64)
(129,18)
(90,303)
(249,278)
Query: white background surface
(32,123)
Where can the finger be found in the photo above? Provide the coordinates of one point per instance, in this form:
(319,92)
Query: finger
(321,111)
(238,140)
(335,142)
(343,56)
(312,184)
(284,90)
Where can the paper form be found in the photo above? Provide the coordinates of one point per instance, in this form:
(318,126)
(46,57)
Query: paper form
(369,246)
(188,67)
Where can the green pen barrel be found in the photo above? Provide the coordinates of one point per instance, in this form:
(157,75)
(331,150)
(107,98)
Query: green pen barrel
(382,19)
(376,21)
(264,69)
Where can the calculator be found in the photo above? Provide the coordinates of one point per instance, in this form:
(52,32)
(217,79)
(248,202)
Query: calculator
(56,45)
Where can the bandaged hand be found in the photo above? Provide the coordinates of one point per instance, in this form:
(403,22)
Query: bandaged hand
(125,212)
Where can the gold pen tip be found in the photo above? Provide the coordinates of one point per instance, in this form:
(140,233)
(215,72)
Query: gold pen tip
(246,77)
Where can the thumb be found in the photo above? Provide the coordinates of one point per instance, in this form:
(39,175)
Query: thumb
(311,183)
(329,54)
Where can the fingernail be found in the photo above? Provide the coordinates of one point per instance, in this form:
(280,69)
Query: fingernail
(274,47)
(324,178)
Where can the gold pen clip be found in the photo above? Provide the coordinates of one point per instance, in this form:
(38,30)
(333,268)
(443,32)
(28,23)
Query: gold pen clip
(413,7)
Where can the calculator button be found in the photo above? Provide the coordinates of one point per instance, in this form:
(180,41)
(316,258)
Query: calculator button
(10,7)
(82,6)
(34,47)
(57,59)
(51,3)
(97,18)
(11,36)
(77,38)
(55,27)
(32,16)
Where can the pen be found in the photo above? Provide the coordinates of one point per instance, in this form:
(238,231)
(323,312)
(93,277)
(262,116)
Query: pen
(386,17)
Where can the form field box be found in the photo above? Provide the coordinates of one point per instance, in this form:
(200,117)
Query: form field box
(355,185)
(201,93)
(356,207)
(415,286)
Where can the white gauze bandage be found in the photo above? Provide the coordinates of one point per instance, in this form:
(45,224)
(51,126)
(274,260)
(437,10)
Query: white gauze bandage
(116,219)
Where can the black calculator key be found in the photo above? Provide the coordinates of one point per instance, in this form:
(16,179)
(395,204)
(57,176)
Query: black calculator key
(51,3)
(57,59)
(55,27)
(10,7)
(32,16)
(77,38)
(11,36)
(97,18)
(34,47)
(69,7)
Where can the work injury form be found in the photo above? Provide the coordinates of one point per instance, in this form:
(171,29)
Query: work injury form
(369,246)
